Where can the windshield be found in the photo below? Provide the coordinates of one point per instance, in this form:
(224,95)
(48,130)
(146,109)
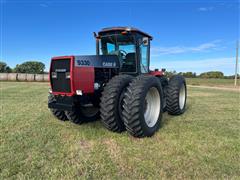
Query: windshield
(124,47)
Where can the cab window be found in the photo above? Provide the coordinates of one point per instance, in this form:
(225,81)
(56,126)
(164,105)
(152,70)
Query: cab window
(144,58)
(128,52)
(110,47)
(124,47)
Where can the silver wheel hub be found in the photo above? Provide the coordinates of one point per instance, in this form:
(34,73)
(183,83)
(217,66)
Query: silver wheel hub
(182,97)
(152,107)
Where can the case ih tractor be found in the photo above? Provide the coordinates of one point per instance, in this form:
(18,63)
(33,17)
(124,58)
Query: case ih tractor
(115,85)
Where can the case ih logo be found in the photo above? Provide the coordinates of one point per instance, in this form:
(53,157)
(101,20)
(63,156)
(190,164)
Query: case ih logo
(109,64)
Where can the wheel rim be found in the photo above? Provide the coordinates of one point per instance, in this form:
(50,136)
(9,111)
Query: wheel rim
(182,97)
(89,111)
(152,107)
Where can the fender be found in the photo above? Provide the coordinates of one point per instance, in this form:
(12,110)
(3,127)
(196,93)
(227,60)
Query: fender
(156,73)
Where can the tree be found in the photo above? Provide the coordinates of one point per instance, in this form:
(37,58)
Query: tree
(231,76)
(212,74)
(170,73)
(33,67)
(4,68)
(189,74)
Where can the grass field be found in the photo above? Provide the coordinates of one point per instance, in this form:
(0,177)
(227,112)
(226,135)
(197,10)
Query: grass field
(212,82)
(202,143)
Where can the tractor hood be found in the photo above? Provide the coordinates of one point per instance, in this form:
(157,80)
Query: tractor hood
(97,61)
(68,74)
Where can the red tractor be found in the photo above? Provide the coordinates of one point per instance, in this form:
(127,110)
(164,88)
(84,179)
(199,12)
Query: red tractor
(115,85)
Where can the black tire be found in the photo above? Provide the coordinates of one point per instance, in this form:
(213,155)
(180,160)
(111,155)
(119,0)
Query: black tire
(163,80)
(175,104)
(135,106)
(81,114)
(164,83)
(57,113)
(111,105)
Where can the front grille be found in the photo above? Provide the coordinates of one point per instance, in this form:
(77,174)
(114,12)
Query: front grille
(59,69)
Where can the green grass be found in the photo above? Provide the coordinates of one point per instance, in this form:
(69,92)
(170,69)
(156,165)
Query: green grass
(202,143)
(212,82)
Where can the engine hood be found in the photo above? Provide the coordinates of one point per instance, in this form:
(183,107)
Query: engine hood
(97,61)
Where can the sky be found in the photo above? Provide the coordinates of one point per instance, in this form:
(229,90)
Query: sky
(188,35)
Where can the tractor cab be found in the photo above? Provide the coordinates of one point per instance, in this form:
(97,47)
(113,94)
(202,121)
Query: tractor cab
(131,45)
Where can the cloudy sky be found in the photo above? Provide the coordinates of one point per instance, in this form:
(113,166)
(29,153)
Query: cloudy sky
(188,35)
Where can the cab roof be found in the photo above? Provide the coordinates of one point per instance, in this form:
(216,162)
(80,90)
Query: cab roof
(130,29)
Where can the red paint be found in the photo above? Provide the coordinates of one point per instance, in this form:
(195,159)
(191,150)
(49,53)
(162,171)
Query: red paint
(84,79)
(156,73)
(81,78)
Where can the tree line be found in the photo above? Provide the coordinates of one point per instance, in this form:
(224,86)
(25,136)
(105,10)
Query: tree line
(31,67)
(35,67)
(209,74)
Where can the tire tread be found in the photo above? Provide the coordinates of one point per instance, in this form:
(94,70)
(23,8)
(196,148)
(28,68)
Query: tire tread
(132,103)
(109,102)
(57,113)
(173,95)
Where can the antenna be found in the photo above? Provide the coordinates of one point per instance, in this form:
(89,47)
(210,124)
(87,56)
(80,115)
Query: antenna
(236,66)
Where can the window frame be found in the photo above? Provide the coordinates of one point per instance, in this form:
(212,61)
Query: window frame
(147,58)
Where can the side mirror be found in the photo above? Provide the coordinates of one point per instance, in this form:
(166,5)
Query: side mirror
(145,41)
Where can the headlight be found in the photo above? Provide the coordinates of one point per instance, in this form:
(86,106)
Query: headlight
(68,75)
(54,75)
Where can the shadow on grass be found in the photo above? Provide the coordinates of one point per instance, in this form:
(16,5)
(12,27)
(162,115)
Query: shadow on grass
(94,130)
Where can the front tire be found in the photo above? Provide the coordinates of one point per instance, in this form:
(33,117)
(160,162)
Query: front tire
(57,113)
(83,114)
(111,105)
(143,106)
(176,95)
